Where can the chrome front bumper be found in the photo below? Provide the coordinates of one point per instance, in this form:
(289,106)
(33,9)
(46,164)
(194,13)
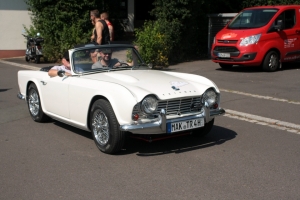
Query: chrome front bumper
(21,96)
(159,126)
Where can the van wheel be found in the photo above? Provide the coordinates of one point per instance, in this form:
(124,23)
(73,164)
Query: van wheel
(225,66)
(271,61)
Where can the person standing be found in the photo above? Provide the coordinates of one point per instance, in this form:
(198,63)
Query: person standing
(101,31)
(105,17)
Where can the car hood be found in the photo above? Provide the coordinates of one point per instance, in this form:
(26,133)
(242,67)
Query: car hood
(165,85)
(236,34)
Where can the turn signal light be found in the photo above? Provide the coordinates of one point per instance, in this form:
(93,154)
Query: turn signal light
(135,117)
(215,106)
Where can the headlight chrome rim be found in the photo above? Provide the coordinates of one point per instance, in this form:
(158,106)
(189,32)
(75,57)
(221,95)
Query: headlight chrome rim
(210,97)
(149,105)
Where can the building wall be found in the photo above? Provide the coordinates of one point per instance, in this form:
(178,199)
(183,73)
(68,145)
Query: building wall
(13,15)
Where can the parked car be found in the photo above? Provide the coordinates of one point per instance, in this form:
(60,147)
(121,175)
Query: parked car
(265,36)
(124,97)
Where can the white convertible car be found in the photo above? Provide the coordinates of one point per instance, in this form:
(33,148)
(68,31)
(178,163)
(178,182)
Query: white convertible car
(113,94)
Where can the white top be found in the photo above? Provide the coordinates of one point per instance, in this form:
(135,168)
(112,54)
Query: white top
(62,67)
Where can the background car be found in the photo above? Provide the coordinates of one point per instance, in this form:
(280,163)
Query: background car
(114,94)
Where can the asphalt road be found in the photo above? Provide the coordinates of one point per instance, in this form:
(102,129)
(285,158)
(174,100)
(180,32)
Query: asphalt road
(242,157)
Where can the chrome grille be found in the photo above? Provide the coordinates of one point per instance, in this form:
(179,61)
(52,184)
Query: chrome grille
(182,106)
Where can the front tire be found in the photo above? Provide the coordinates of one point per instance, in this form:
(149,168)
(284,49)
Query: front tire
(105,128)
(201,132)
(37,59)
(271,62)
(34,105)
(225,66)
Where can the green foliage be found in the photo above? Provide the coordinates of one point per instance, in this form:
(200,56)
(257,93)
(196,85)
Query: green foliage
(153,43)
(64,24)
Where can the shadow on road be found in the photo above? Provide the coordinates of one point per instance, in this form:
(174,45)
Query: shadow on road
(286,66)
(181,144)
(4,90)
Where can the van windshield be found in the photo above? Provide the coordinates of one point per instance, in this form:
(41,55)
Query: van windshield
(254,18)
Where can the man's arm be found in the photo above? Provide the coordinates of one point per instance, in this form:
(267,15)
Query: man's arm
(52,72)
(99,28)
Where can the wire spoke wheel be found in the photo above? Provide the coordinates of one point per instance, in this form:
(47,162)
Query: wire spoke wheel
(100,127)
(34,103)
(105,127)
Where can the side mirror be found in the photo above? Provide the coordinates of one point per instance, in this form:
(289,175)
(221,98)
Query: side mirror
(61,73)
(279,25)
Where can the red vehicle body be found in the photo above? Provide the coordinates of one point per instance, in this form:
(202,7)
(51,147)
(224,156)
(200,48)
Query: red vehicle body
(264,36)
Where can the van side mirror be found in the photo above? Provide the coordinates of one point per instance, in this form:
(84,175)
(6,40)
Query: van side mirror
(279,25)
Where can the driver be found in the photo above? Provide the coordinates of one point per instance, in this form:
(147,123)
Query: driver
(106,61)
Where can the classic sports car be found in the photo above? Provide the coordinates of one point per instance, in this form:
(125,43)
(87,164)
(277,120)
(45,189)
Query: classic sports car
(113,94)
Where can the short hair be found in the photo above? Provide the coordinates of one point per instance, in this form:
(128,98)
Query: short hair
(95,13)
(104,15)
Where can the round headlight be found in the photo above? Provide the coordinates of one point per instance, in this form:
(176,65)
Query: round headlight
(149,105)
(210,97)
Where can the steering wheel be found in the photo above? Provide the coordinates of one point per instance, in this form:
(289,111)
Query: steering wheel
(124,65)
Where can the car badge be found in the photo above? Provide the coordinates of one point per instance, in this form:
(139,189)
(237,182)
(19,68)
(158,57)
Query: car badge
(175,88)
(226,41)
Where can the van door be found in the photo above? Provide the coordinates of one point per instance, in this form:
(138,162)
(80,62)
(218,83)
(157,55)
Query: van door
(289,35)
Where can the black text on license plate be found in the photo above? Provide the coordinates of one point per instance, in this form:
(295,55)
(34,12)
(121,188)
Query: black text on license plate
(185,125)
(224,55)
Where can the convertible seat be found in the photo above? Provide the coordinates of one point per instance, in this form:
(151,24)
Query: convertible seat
(46,69)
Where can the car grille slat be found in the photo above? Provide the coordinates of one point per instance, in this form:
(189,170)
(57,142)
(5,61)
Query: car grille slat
(228,41)
(179,106)
(226,49)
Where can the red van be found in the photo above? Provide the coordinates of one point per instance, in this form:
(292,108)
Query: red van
(264,36)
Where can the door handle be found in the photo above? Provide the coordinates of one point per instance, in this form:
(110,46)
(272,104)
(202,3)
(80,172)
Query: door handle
(298,31)
(44,83)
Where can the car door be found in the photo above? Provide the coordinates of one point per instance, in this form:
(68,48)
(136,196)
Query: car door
(290,35)
(55,95)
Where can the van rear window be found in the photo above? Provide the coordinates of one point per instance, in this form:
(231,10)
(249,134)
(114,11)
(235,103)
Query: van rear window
(253,18)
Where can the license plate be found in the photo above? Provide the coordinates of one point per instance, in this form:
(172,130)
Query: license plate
(184,125)
(224,55)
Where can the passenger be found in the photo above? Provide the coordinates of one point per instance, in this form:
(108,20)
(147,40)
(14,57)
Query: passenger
(104,16)
(64,67)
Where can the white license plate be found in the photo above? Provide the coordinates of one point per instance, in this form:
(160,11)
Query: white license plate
(224,55)
(185,125)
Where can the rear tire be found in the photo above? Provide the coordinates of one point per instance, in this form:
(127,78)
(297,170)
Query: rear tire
(27,59)
(201,132)
(271,61)
(34,104)
(105,128)
(225,66)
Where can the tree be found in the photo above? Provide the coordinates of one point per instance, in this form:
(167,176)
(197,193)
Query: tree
(64,24)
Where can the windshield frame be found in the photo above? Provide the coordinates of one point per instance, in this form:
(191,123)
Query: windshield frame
(87,50)
(252,18)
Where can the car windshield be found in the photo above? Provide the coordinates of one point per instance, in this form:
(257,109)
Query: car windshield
(254,18)
(107,58)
